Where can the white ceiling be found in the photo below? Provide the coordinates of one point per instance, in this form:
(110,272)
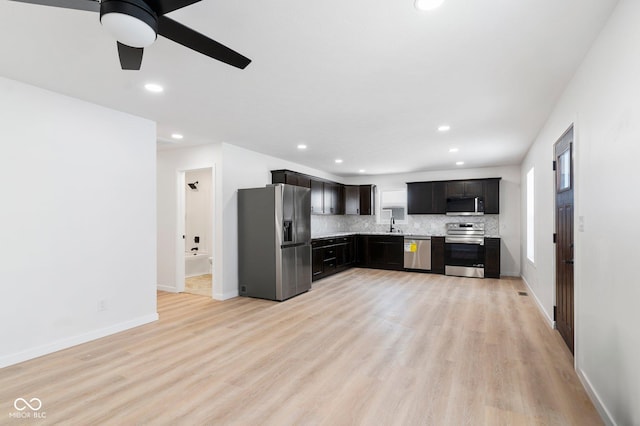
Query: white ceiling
(365,81)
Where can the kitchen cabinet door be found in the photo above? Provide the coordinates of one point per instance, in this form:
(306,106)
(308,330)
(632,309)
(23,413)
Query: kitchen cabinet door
(344,251)
(465,188)
(419,197)
(474,188)
(350,251)
(317,197)
(439,198)
(492,196)
(492,257)
(290,178)
(304,181)
(338,203)
(455,189)
(359,199)
(359,243)
(367,199)
(352,199)
(317,262)
(332,197)
(426,198)
(385,252)
(437,255)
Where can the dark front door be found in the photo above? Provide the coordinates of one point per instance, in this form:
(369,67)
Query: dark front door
(564,236)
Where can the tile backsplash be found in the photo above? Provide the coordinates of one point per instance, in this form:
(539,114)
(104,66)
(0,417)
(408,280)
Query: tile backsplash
(416,224)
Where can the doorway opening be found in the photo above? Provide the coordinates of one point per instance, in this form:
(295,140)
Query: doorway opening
(198,246)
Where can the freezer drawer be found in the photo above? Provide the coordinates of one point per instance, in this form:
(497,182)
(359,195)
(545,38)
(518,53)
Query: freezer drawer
(417,253)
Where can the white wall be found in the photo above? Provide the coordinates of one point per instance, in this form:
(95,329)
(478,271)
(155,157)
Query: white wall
(170,244)
(199,210)
(234,168)
(77,222)
(603,100)
(509,218)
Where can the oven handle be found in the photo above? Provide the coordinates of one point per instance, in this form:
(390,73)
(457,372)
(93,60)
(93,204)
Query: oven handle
(477,243)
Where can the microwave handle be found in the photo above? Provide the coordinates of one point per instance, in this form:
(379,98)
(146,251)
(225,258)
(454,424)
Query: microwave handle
(476,202)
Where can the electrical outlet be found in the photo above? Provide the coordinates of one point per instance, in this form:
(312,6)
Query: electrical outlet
(102,305)
(580,223)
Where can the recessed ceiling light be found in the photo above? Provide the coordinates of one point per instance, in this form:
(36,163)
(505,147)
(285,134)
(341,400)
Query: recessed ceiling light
(177,136)
(152,87)
(453,150)
(444,128)
(428,4)
(338,161)
(302,146)
(459,163)
(361,170)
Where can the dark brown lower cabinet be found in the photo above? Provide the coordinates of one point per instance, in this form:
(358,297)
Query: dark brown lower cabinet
(381,252)
(492,257)
(317,262)
(331,255)
(437,255)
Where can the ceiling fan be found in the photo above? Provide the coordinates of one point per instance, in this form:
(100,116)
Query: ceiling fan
(136,24)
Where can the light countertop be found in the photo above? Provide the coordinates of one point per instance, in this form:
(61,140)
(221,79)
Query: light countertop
(399,234)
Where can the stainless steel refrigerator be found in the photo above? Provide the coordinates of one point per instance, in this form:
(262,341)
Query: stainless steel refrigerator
(274,241)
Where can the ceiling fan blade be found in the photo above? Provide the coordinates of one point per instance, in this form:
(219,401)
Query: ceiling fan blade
(89,5)
(162,7)
(130,57)
(200,43)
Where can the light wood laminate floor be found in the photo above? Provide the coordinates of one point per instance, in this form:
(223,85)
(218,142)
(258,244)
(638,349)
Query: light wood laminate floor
(363,347)
(200,285)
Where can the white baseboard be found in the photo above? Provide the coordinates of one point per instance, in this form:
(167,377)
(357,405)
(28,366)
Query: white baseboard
(167,288)
(226,296)
(595,398)
(38,351)
(549,319)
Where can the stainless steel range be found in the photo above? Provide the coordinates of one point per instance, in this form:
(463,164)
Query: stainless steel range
(464,250)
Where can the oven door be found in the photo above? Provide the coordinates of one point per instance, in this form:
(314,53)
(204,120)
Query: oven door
(464,259)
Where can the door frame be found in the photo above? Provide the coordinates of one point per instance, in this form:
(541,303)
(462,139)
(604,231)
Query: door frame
(181,226)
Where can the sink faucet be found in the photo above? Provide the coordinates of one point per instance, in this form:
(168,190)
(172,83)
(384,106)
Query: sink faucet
(391,222)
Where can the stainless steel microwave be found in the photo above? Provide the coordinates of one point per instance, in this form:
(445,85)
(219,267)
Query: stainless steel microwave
(465,206)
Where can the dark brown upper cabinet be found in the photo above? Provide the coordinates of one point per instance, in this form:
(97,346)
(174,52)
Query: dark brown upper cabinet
(359,199)
(492,196)
(426,198)
(290,178)
(333,198)
(367,200)
(465,188)
(431,197)
(317,197)
(351,199)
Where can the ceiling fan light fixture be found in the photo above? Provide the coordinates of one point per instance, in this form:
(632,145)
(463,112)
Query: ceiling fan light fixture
(428,4)
(131,22)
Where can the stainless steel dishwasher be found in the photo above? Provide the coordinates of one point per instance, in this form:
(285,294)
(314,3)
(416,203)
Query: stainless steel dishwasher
(417,253)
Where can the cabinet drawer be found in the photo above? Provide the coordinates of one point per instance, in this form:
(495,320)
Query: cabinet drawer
(329,253)
(323,242)
(329,264)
